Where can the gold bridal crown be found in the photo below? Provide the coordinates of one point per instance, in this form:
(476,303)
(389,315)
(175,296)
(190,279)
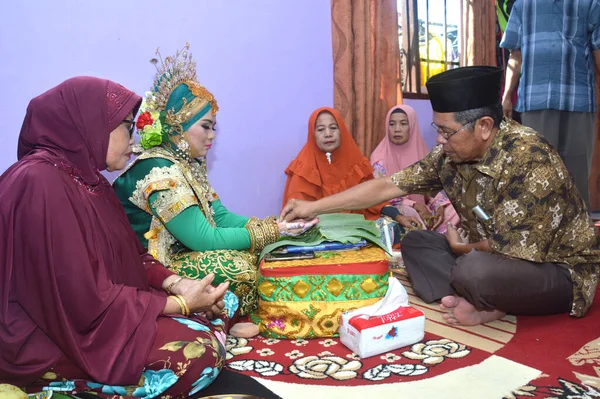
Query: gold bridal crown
(173,71)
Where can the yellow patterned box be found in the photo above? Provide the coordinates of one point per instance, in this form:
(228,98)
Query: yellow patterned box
(305,298)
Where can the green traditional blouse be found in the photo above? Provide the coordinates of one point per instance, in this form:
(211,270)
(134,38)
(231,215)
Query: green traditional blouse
(177,208)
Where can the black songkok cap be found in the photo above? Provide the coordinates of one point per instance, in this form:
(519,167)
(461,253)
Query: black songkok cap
(466,88)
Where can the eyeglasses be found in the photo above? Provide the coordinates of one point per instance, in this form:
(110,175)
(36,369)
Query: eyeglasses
(131,126)
(447,135)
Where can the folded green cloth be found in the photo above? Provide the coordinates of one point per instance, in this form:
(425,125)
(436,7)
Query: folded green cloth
(341,227)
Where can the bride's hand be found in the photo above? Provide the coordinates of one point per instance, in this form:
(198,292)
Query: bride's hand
(296,227)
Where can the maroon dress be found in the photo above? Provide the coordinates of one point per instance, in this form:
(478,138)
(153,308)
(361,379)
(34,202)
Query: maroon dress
(80,300)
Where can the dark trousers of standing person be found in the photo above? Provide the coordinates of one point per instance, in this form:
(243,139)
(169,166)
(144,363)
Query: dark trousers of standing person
(488,280)
(572,135)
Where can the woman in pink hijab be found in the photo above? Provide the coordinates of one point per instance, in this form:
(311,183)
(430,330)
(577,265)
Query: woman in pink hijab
(402,146)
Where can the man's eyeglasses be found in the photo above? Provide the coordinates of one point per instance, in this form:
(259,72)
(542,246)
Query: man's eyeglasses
(131,126)
(447,135)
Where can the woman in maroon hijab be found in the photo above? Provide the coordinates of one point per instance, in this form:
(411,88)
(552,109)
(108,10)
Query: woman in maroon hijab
(80,300)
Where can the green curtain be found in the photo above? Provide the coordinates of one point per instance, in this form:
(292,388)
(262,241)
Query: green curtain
(503,8)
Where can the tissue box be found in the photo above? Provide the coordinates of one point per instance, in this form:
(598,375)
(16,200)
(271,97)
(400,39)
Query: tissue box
(305,298)
(369,336)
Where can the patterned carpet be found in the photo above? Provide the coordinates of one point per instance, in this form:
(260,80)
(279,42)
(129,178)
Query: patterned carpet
(529,357)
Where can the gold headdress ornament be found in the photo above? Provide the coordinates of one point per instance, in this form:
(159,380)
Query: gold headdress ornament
(172,72)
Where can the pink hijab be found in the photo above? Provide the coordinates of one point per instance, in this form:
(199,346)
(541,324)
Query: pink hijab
(397,157)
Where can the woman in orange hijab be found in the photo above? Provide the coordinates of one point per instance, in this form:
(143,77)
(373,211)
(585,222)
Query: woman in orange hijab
(329,163)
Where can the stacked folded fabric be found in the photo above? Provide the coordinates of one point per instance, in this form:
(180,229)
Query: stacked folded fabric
(346,228)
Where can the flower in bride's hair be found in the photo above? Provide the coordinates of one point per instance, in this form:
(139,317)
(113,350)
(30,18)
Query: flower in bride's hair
(148,124)
(151,135)
(145,119)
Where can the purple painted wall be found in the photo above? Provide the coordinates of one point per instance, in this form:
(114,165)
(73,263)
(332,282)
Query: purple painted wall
(425,116)
(268,63)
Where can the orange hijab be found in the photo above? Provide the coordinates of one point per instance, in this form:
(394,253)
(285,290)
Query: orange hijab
(312,177)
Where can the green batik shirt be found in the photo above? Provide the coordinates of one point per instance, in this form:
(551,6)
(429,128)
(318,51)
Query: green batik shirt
(536,213)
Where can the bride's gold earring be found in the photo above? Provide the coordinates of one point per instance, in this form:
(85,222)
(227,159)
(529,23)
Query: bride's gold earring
(183,148)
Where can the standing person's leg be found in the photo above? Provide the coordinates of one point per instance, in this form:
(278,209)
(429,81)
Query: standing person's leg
(547,123)
(429,261)
(490,285)
(577,147)
(572,135)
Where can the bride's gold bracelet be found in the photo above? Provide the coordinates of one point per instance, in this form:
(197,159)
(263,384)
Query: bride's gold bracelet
(262,233)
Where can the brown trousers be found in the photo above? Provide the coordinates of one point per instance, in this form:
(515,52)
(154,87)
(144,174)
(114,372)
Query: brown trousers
(485,279)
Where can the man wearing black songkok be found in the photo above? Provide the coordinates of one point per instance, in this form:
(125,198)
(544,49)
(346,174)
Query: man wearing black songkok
(528,246)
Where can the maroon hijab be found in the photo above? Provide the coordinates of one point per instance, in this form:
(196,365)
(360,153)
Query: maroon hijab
(73,120)
(72,282)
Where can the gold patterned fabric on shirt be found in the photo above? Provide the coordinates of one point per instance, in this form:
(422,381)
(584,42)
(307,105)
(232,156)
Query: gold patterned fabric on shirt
(536,213)
(174,193)
(187,179)
(178,187)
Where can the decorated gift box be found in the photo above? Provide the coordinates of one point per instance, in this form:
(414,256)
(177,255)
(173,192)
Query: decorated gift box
(385,326)
(306,298)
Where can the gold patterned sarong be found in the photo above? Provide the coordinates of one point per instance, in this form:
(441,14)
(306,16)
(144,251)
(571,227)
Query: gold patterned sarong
(237,267)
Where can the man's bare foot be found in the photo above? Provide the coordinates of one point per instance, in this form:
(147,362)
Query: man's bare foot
(244,330)
(456,235)
(459,312)
(464,236)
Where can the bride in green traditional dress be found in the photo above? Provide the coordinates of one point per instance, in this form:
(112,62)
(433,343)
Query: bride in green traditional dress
(168,199)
